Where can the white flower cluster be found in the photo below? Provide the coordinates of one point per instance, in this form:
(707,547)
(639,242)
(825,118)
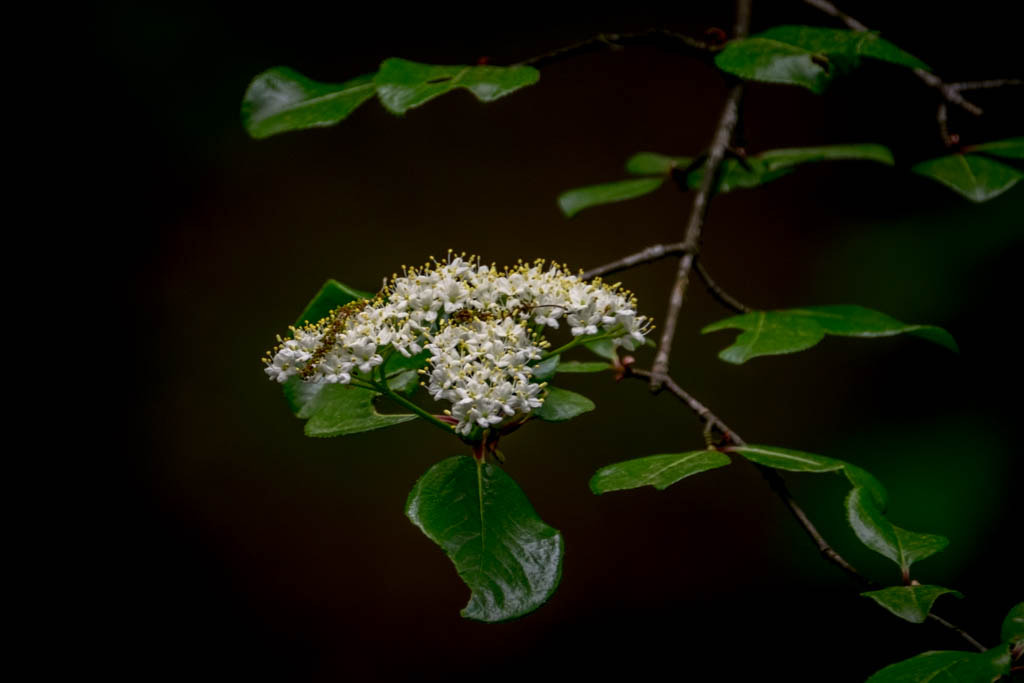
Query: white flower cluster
(482,326)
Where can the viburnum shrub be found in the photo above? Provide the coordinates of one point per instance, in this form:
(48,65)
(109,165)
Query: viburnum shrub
(478,350)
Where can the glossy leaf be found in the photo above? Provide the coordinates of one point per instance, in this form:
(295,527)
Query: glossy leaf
(561,405)
(281,100)
(651,163)
(330,296)
(876,532)
(912,603)
(509,558)
(800,461)
(1013,625)
(575,366)
(805,55)
(603,348)
(788,157)
(1011,148)
(948,666)
(574,201)
(787,331)
(659,471)
(545,369)
(973,176)
(336,409)
(736,176)
(402,85)
(404,382)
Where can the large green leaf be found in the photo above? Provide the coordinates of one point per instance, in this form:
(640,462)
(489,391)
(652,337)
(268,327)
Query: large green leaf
(976,177)
(1011,148)
(948,666)
(281,100)
(659,471)
(910,602)
(330,296)
(805,55)
(402,85)
(574,201)
(1013,625)
(787,331)
(800,461)
(785,158)
(560,405)
(876,532)
(509,558)
(336,409)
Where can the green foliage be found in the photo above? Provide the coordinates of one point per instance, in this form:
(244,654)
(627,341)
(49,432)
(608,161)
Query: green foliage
(974,176)
(1011,148)
(1013,625)
(806,56)
(561,405)
(734,174)
(332,295)
(509,558)
(659,471)
(876,532)
(336,409)
(768,333)
(575,366)
(911,603)
(574,201)
(948,667)
(281,100)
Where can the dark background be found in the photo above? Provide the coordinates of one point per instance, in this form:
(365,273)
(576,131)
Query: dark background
(233,546)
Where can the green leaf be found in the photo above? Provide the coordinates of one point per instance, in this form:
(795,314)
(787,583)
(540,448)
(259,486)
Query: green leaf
(911,603)
(1013,625)
(948,666)
(1012,148)
(574,201)
(659,471)
(405,382)
(575,366)
(975,177)
(785,158)
(545,369)
(509,558)
(787,331)
(281,100)
(799,461)
(402,85)
(603,348)
(336,409)
(878,533)
(330,296)
(651,163)
(805,55)
(561,405)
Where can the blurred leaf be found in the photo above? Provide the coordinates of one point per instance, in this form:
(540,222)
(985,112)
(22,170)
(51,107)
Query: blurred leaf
(876,532)
(805,55)
(337,409)
(405,382)
(784,158)
(398,362)
(281,100)
(787,331)
(659,471)
(330,296)
(561,405)
(799,461)
(574,201)
(911,603)
(948,667)
(509,558)
(735,176)
(975,177)
(1012,148)
(1013,625)
(575,366)
(651,163)
(545,369)
(402,85)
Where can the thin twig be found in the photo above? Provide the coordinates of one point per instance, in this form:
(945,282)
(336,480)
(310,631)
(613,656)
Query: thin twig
(655,252)
(655,36)
(986,85)
(698,213)
(720,295)
(778,486)
(942,117)
(948,91)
